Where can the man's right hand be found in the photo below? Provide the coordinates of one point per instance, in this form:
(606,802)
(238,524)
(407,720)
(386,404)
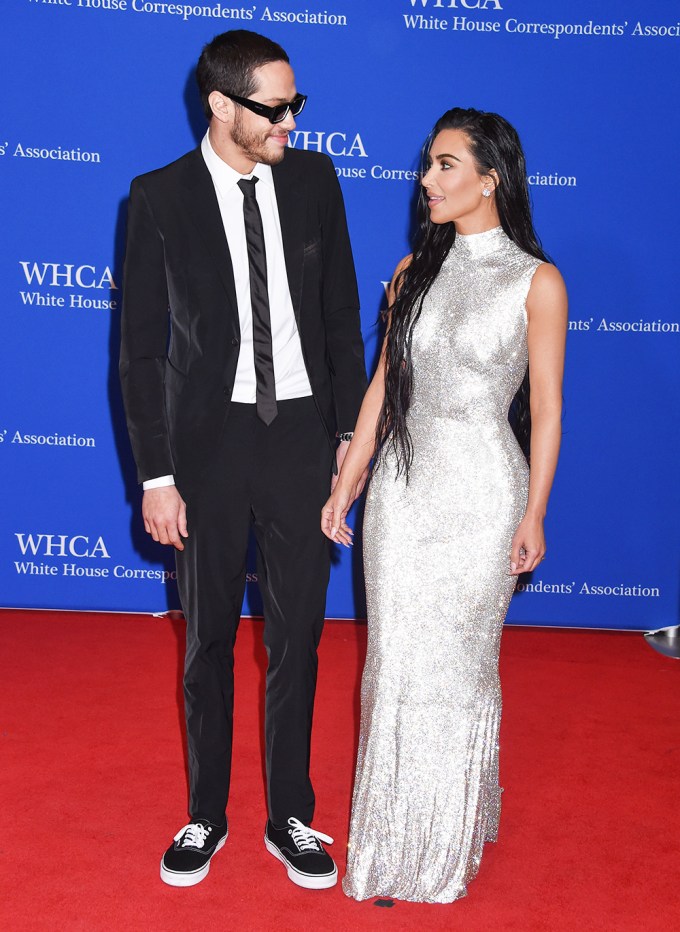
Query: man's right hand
(165,515)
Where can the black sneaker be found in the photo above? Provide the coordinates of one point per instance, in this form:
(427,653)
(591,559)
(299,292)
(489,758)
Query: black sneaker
(187,860)
(299,849)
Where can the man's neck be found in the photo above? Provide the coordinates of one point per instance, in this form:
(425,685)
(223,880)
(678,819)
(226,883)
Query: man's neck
(225,149)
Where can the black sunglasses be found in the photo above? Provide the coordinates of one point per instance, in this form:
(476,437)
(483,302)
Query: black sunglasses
(273,114)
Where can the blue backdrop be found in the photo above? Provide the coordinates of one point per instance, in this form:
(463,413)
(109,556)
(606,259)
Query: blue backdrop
(97,91)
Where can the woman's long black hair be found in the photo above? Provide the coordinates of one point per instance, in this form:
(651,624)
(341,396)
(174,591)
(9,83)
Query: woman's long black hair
(494,145)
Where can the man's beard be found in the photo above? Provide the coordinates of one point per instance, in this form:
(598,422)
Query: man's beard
(254,145)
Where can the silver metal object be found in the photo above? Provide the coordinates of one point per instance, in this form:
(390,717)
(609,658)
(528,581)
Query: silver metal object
(666,641)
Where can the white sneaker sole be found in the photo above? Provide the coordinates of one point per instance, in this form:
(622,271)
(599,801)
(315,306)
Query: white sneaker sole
(309,881)
(189,879)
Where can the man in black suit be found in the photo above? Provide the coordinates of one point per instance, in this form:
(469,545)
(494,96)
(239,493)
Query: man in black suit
(241,365)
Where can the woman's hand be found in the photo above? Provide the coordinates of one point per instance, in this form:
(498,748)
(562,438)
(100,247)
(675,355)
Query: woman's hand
(334,513)
(528,545)
(340,454)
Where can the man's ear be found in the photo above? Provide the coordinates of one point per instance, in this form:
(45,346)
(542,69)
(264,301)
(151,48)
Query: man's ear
(222,108)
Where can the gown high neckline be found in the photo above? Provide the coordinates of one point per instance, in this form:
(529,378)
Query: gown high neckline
(477,245)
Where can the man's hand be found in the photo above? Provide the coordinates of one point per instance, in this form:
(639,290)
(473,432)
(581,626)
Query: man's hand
(165,515)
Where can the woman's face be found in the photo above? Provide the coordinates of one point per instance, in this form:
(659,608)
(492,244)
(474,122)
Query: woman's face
(452,183)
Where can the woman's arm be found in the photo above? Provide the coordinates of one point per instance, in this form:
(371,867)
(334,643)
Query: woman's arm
(362,447)
(546,336)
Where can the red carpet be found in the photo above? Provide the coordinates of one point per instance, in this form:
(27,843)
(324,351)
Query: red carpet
(93,786)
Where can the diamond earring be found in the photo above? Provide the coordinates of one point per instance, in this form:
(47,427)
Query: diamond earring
(486,192)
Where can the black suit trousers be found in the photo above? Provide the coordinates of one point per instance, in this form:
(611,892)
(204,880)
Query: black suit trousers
(274,479)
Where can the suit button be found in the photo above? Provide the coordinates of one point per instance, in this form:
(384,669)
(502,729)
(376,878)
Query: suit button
(234,342)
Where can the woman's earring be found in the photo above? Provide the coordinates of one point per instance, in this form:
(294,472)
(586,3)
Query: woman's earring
(486,192)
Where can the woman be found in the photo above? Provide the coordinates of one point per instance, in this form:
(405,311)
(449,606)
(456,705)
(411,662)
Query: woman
(453,515)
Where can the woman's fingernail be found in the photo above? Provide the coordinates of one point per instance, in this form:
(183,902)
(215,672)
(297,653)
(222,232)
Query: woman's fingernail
(513,567)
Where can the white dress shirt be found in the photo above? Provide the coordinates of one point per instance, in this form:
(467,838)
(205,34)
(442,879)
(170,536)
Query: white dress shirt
(290,375)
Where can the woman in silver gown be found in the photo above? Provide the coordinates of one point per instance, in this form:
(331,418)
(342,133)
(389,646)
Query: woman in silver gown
(453,514)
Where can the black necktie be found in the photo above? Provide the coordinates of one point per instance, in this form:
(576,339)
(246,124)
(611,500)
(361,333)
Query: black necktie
(265,389)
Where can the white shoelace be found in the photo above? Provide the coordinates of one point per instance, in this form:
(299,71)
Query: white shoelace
(195,837)
(305,837)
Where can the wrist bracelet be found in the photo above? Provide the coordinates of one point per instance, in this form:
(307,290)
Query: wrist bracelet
(348,434)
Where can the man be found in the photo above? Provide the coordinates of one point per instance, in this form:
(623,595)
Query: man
(241,363)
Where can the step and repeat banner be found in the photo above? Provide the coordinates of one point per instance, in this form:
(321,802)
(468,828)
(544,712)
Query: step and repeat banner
(95,92)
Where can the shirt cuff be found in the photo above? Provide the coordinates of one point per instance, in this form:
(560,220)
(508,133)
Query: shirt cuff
(159,483)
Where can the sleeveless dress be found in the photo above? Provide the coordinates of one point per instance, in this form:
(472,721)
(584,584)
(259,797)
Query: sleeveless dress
(436,560)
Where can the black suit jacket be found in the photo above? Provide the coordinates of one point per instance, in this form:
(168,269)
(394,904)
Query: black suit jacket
(180,327)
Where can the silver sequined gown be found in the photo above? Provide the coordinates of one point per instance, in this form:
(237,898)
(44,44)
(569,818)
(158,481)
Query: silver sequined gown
(436,556)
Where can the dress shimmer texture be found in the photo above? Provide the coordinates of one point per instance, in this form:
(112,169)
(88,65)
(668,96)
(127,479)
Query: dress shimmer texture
(436,560)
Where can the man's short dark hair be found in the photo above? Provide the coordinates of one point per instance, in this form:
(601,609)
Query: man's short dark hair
(228,64)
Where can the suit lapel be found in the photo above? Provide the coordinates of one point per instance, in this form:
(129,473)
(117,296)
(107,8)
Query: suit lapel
(201,202)
(291,201)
